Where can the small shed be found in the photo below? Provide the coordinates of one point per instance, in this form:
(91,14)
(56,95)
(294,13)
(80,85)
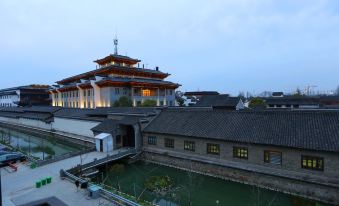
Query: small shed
(104,142)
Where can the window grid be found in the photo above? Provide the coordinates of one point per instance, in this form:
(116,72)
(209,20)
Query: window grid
(213,149)
(240,152)
(152,140)
(169,143)
(189,145)
(313,163)
(273,157)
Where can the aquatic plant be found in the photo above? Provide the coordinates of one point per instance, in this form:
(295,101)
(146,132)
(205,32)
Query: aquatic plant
(159,184)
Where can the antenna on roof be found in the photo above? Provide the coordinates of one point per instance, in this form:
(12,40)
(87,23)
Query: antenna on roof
(115,45)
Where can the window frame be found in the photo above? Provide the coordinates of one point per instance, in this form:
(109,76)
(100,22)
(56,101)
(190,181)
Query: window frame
(191,145)
(235,152)
(269,156)
(215,151)
(153,141)
(312,158)
(169,143)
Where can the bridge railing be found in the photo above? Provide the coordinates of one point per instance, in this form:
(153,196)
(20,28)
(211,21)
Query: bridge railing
(64,156)
(104,160)
(117,199)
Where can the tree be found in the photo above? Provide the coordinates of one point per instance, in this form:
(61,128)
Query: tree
(257,102)
(241,95)
(117,170)
(179,98)
(297,93)
(336,92)
(149,103)
(123,101)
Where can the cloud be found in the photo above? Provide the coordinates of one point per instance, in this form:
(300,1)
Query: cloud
(219,44)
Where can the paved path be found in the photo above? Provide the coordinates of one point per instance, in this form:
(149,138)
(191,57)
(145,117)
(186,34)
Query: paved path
(19,187)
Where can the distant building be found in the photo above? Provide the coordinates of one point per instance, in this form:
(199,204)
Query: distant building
(29,95)
(277,94)
(116,76)
(223,101)
(329,102)
(199,94)
(191,98)
(294,102)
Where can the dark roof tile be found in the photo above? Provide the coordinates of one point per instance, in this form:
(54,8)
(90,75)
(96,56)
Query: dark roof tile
(313,130)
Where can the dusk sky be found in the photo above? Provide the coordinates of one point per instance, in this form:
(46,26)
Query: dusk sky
(228,46)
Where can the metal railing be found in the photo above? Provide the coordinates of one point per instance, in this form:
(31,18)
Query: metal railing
(62,157)
(109,158)
(117,199)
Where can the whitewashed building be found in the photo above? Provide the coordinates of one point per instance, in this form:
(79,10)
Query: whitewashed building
(116,76)
(24,96)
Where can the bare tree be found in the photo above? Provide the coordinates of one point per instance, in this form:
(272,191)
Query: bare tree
(336,92)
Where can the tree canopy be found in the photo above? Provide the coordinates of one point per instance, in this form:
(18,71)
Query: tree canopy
(123,102)
(257,102)
(149,103)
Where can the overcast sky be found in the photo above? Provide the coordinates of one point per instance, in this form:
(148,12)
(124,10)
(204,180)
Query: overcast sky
(228,46)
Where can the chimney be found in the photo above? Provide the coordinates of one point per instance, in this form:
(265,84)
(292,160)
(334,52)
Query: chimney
(156,68)
(143,66)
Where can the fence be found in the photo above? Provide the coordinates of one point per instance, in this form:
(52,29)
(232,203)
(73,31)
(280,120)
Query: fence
(62,157)
(121,201)
(102,161)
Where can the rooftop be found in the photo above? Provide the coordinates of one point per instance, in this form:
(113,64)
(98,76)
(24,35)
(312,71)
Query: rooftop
(28,87)
(192,93)
(114,68)
(312,130)
(223,100)
(117,57)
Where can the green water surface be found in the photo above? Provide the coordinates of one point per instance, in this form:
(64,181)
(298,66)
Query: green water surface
(42,146)
(194,189)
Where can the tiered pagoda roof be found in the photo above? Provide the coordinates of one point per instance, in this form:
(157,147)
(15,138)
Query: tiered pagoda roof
(117,58)
(122,66)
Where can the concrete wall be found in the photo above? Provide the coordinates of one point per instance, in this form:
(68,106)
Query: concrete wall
(35,123)
(9,120)
(291,158)
(27,122)
(74,126)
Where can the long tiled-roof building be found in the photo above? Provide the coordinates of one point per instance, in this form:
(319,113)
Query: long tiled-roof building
(290,151)
(294,151)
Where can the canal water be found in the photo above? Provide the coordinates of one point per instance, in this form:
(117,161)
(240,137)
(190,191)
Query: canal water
(43,146)
(188,187)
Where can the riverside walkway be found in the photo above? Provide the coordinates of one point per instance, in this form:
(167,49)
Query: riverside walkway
(19,187)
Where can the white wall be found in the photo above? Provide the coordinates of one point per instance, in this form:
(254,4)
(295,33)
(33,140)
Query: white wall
(35,123)
(10,120)
(27,122)
(8,100)
(74,126)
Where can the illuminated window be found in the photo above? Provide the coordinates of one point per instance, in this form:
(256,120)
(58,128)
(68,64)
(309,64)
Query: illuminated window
(146,92)
(240,152)
(314,163)
(213,149)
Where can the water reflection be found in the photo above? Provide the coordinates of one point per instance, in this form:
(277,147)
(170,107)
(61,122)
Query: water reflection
(193,189)
(42,147)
